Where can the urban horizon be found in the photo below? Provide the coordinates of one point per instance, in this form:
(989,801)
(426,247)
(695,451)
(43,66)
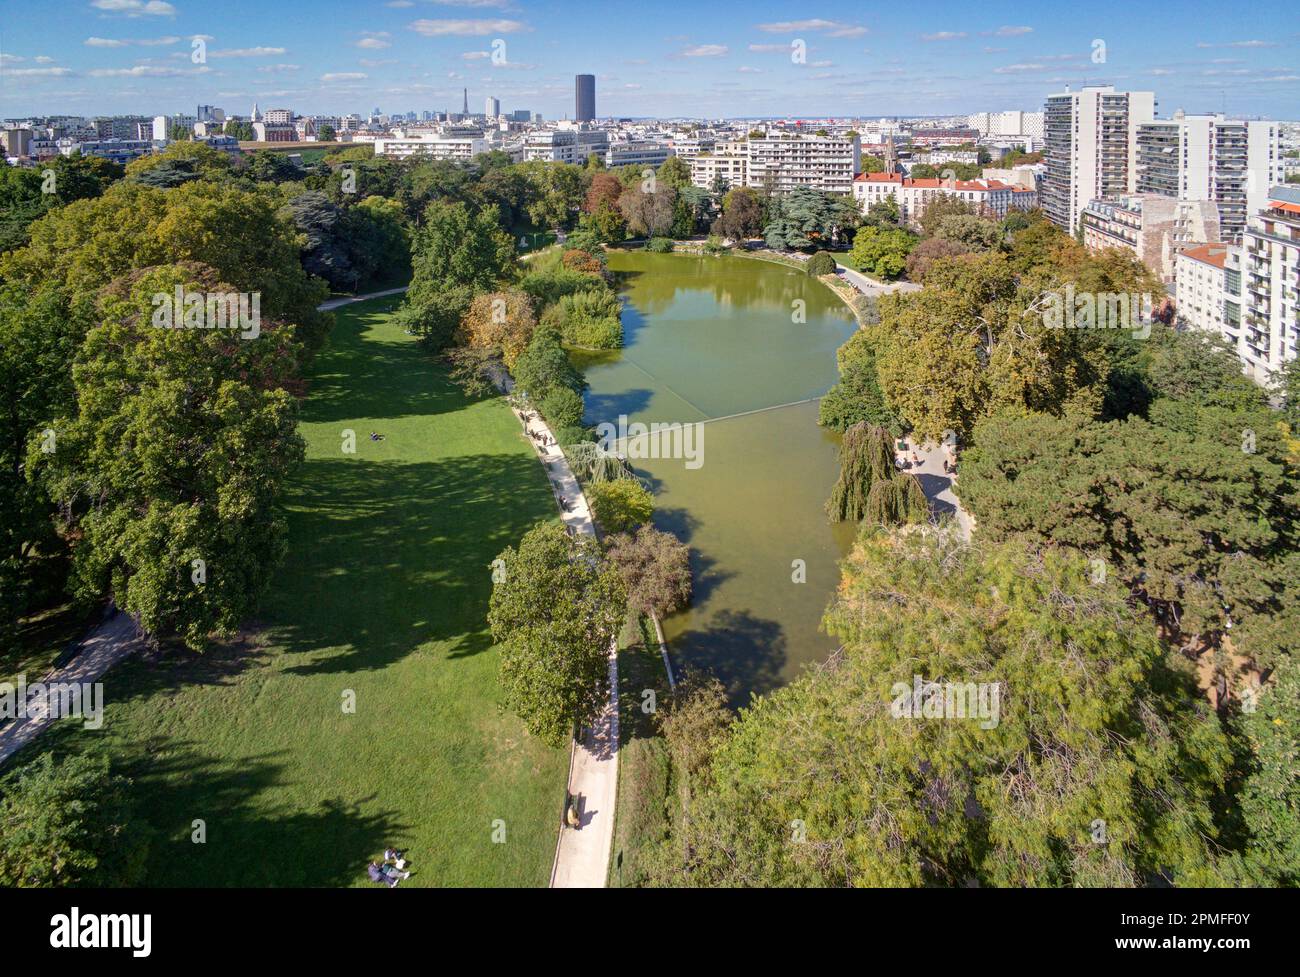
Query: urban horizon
(115,57)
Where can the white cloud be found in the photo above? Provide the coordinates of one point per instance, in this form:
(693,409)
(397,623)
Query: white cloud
(43,59)
(1012,69)
(705,51)
(944,36)
(104,42)
(135,8)
(466,28)
(745,69)
(374,40)
(275,69)
(246,52)
(38,72)
(833,28)
(1012,31)
(344,76)
(141,71)
(769,48)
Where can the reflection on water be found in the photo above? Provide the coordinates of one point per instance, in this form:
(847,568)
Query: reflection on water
(708,338)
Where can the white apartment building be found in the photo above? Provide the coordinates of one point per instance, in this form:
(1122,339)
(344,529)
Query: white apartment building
(491,108)
(637,154)
(913,196)
(1200,289)
(729,164)
(1155,228)
(163,125)
(1090,141)
(1207,157)
(783,162)
(278,117)
(1012,123)
(434,144)
(565,145)
(1270,285)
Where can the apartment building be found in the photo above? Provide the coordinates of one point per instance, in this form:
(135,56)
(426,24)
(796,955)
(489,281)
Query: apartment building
(1200,290)
(16,141)
(637,154)
(1208,157)
(991,197)
(1154,227)
(1090,146)
(437,145)
(566,145)
(781,162)
(728,165)
(1270,285)
(118,150)
(1007,123)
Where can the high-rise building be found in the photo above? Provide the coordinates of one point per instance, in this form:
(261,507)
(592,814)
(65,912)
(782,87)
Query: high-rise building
(1268,302)
(1228,162)
(492,108)
(1090,141)
(584,98)
(465,101)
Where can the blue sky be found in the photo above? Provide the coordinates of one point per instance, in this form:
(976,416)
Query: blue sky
(651,58)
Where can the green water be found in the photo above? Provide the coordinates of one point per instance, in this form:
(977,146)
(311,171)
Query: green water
(706,338)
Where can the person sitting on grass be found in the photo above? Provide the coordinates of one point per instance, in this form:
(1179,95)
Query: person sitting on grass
(376,436)
(396,857)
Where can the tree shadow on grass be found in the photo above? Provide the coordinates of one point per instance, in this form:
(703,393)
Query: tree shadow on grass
(361,375)
(245,842)
(385,557)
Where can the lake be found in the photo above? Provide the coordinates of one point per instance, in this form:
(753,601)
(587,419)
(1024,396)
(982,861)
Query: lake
(746,347)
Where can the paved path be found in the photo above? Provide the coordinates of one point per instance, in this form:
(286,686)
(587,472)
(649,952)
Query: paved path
(582,853)
(335,303)
(869,286)
(937,485)
(103,648)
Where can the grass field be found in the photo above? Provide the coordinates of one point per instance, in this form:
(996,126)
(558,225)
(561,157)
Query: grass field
(383,596)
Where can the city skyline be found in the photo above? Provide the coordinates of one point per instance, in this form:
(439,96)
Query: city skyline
(123,56)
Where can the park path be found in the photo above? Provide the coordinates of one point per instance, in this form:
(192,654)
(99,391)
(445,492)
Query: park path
(938,485)
(581,854)
(870,286)
(100,650)
(335,303)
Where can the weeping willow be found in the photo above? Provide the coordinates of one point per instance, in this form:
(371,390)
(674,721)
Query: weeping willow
(592,464)
(869,487)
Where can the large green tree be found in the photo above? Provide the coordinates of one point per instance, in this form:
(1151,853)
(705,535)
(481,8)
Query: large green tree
(168,470)
(1203,531)
(555,608)
(1097,766)
(457,253)
(69,822)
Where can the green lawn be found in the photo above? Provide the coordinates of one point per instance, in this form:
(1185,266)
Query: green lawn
(384,594)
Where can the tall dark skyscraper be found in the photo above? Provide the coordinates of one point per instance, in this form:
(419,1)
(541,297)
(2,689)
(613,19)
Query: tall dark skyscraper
(584,98)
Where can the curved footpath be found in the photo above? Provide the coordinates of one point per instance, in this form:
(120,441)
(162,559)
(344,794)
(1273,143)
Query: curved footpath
(581,854)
